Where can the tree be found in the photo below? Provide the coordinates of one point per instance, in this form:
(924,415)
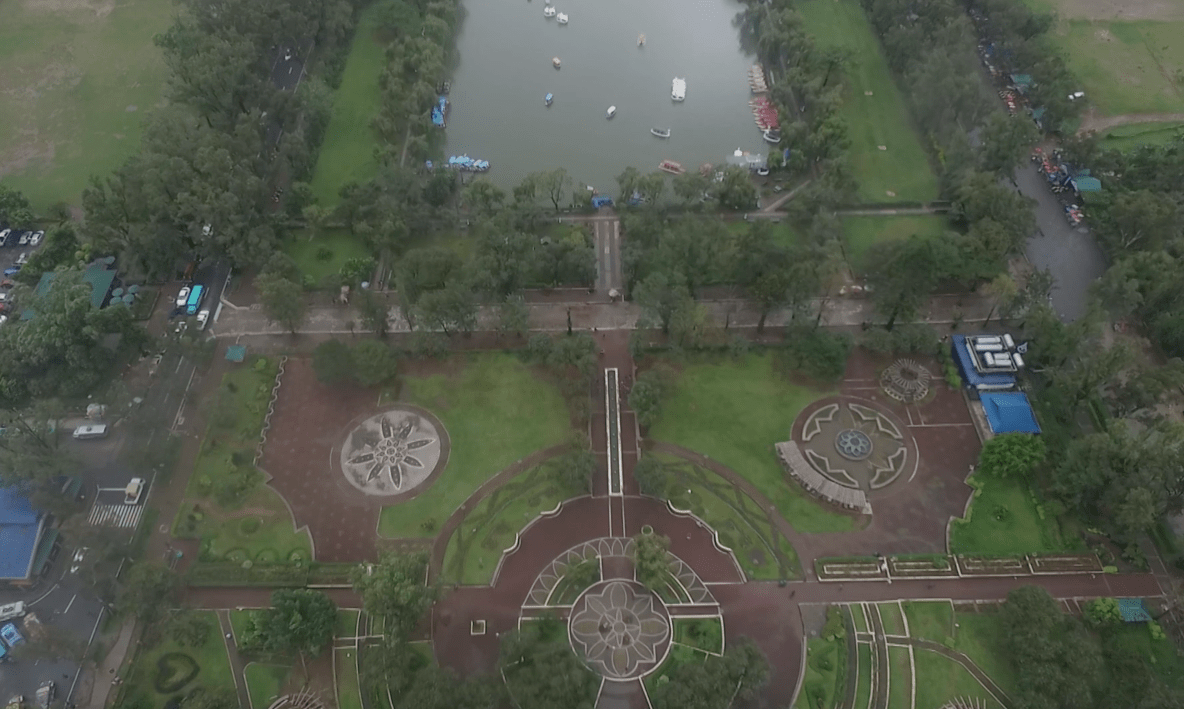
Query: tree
(1011,455)
(646,396)
(576,468)
(651,560)
(282,299)
(14,208)
(627,184)
(357,270)
(542,672)
(903,274)
(690,187)
(1141,219)
(452,308)
(484,197)
(736,191)
(373,362)
(300,620)
(440,688)
(147,590)
(1055,659)
(661,296)
(1102,612)
(374,312)
(1006,141)
(715,683)
(555,182)
(513,317)
(651,475)
(333,362)
(396,589)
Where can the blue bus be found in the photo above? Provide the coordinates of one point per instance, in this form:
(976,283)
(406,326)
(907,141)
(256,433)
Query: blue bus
(196,294)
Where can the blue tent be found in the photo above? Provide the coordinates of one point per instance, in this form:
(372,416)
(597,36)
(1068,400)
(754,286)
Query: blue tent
(20,530)
(975,379)
(1009,412)
(1133,610)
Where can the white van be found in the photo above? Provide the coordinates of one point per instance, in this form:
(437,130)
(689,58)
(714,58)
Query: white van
(131,494)
(98,430)
(12,610)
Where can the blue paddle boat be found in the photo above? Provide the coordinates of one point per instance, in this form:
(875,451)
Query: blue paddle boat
(549,99)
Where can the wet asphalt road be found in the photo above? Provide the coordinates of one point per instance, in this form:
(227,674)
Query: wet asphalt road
(1072,256)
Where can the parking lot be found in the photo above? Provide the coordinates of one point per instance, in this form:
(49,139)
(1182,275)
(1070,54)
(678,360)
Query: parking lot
(16,246)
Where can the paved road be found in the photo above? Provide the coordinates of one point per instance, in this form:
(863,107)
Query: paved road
(607,241)
(1071,255)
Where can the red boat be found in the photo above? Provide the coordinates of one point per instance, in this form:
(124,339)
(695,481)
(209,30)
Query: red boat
(672,167)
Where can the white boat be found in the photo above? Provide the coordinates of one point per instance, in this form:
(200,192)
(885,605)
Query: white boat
(661,132)
(561,18)
(549,11)
(678,90)
(612,111)
(555,62)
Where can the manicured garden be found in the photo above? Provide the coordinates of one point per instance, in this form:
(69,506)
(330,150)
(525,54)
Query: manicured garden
(861,233)
(900,686)
(934,621)
(347,153)
(1004,519)
(79,78)
(873,108)
(490,527)
(264,682)
(678,656)
(496,411)
(825,681)
(349,691)
(734,411)
(226,505)
(892,618)
(168,670)
(940,680)
(347,623)
(706,634)
(749,531)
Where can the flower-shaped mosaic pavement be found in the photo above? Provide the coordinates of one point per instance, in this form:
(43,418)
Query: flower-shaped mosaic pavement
(620,629)
(390,453)
(857,445)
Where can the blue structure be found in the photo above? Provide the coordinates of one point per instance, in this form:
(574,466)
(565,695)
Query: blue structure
(1009,412)
(598,202)
(986,362)
(21,528)
(1133,610)
(440,112)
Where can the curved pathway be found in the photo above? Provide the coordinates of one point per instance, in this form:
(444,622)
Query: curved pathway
(982,677)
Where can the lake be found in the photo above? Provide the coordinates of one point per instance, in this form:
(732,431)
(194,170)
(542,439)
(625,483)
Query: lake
(504,70)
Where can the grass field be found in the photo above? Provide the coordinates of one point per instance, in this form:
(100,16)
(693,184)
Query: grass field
(981,637)
(863,683)
(349,691)
(1004,519)
(892,618)
(264,682)
(496,411)
(79,76)
(347,153)
(347,623)
(819,686)
(1125,67)
(932,621)
(1133,136)
(902,171)
(900,686)
(306,252)
(940,680)
(756,407)
(213,666)
(861,233)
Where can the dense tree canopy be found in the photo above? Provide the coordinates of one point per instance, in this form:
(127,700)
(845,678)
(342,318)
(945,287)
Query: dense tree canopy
(300,620)
(396,589)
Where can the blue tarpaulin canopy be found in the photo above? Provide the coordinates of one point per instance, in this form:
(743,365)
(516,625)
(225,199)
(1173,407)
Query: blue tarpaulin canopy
(1009,412)
(1133,610)
(20,529)
(236,353)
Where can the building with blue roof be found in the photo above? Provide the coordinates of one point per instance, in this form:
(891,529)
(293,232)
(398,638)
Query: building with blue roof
(22,543)
(987,362)
(1009,412)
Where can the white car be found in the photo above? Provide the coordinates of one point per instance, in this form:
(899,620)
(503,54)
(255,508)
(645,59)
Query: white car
(36,238)
(25,235)
(202,318)
(131,495)
(4,236)
(12,610)
(183,296)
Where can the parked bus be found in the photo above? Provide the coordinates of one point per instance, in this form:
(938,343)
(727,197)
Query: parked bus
(196,294)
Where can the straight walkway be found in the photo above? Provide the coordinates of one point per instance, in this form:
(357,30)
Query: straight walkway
(237,666)
(105,672)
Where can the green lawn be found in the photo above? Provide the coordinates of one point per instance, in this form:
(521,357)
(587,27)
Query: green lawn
(224,480)
(863,683)
(1161,655)
(1133,136)
(1125,67)
(678,656)
(1004,520)
(735,411)
(347,153)
(264,682)
(472,556)
(820,688)
(892,618)
(900,686)
(306,251)
(496,411)
(858,619)
(213,666)
(861,233)
(78,80)
(347,623)
(879,119)
(940,680)
(980,636)
(931,621)
(706,634)
(741,524)
(349,693)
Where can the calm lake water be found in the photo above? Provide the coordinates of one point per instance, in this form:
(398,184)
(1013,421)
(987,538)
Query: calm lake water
(504,71)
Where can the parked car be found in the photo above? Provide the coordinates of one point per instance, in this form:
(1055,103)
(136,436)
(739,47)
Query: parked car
(36,238)
(7,283)
(12,610)
(202,318)
(4,236)
(78,557)
(11,635)
(24,238)
(182,296)
(45,694)
(23,258)
(12,270)
(134,489)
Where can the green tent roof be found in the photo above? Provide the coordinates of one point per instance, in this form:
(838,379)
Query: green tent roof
(97,276)
(1021,79)
(1087,184)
